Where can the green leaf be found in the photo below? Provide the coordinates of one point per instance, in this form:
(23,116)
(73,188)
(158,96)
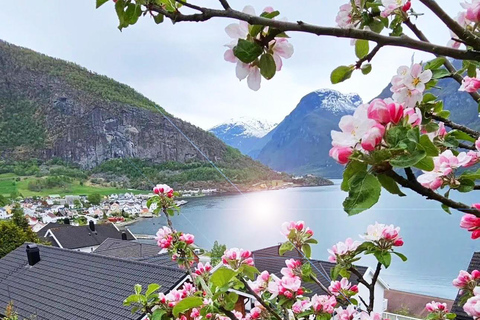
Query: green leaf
(390,185)
(426,164)
(446,209)
(255,30)
(100,3)
(247,51)
(366,68)
(472,70)
(353,167)
(222,276)
(471,175)
(450,316)
(401,256)
(441,73)
(186,304)
(466,185)
(158,18)
(152,287)
(341,74)
(408,160)
(364,193)
(435,63)
(428,97)
(286,246)
(376,26)
(427,144)
(267,66)
(307,250)
(158,314)
(395,135)
(249,271)
(270,15)
(460,135)
(361,48)
(384,257)
(134,298)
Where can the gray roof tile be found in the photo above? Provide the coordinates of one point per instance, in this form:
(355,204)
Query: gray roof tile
(457,309)
(67,284)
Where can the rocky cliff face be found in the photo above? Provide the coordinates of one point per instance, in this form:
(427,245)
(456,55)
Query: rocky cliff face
(52,108)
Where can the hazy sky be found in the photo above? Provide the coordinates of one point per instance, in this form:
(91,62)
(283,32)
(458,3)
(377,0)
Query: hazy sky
(181,66)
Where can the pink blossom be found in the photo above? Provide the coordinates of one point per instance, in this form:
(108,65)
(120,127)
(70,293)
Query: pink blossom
(164,237)
(391,6)
(417,78)
(431,180)
(261,283)
(344,16)
(409,98)
(441,132)
(281,49)
(388,235)
(353,128)
(378,111)
(203,269)
(414,116)
(471,223)
(299,226)
(286,286)
(255,313)
(251,72)
(342,248)
(464,279)
(341,154)
(345,314)
(371,316)
(337,287)
(395,112)
(472,306)
(436,306)
(323,303)
(373,137)
(162,189)
(236,257)
(301,306)
(187,238)
(477,144)
(462,21)
(470,84)
(473,10)
(474,158)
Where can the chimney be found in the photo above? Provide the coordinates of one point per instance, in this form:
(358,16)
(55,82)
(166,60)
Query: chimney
(91,224)
(66,221)
(33,254)
(124,236)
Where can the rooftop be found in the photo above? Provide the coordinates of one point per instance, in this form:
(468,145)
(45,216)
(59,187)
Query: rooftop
(474,265)
(68,284)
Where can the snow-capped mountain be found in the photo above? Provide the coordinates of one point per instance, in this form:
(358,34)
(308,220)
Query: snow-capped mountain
(242,133)
(300,143)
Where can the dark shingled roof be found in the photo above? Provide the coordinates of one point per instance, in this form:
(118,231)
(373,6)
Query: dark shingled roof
(67,284)
(413,302)
(74,237)
(134,250)
(474,265)
(269,259)
(48,226)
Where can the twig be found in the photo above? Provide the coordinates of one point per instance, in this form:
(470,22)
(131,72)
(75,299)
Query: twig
(225,4)
(457,77)
(352,33)
(320,284)
(430,194)
(466,146)
(259,299)
(360,278)
(460,31)
(453,125)
(369,56)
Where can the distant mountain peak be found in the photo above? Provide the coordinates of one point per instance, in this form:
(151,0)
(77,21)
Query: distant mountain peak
(245,126)
(338,102)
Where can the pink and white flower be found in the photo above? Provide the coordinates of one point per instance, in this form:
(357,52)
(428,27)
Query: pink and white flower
(235,257)
(417,78)
(301,306)
(345,314)
(414,116)
(341,249)
(391,6)
(341,154)
(471,223)
(202,269)
(323,303)
(164,237)
(373,137)
(472,306)
(470,84)
(353,127)
(162,189)
(261,283)
(387,235)
(436,307)
(473,10)
(371,316)
(464,280)
(187,238)
(343,287)
(281,49)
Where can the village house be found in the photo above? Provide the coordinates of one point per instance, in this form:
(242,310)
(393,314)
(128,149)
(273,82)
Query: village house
(58,284)
(81,238)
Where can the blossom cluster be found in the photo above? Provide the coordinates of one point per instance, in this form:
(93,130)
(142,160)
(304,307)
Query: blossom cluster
(164,190)
(343,250)
(445,165)
(471,222)
(290,285)
(467,19)
(343,288)
(279,46)
(365,129)
(296,232)
(386,236)
(235,258)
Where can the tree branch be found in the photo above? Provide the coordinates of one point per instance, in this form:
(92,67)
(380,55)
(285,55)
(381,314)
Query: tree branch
(320,284)
(259,299)
(300,26)
(430,194)
(466,146)
(225,4)
(453,125)
(457,77)
(360,278)
(461,32)
(372,287)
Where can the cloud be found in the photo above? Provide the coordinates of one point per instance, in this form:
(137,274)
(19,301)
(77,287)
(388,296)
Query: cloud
(181,66)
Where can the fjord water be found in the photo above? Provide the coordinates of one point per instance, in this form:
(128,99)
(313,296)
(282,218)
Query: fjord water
(435,245)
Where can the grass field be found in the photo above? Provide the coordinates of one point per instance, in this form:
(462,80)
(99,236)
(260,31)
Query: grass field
(8,185)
